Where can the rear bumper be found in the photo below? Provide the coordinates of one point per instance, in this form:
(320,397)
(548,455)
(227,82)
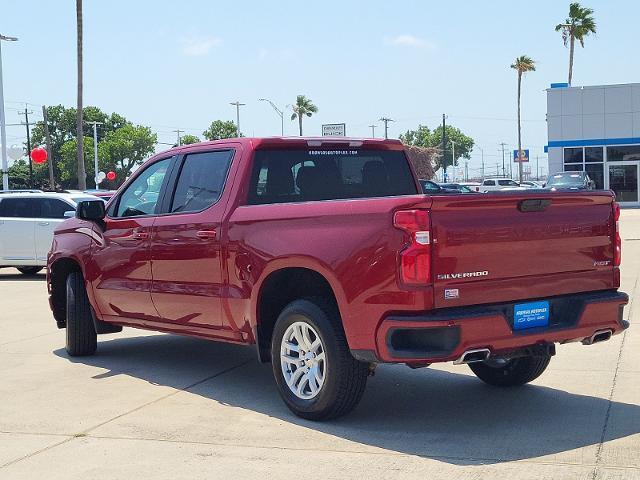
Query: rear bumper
(444,335)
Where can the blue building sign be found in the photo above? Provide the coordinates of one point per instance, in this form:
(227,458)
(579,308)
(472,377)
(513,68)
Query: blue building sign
(525,155)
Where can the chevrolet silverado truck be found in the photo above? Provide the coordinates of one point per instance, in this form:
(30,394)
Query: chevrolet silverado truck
(325,254)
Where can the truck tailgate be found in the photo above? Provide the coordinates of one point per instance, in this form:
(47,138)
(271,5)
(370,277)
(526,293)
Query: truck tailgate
(508,246)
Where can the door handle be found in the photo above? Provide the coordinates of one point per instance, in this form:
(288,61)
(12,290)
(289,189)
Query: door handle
(206,234)
(44,224)
(140,235)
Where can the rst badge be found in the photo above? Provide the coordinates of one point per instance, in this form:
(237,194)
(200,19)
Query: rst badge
(450,293)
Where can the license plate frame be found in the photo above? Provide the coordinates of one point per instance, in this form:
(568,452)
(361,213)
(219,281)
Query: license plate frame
(531,315)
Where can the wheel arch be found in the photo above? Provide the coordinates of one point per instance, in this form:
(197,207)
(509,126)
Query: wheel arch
(279,287)
(58,273)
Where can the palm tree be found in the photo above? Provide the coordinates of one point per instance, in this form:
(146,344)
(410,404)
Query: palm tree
(303,107)
(82,176)
(522,64)
(577,26)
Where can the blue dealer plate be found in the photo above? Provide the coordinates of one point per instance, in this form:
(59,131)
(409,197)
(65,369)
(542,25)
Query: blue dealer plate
(529,315)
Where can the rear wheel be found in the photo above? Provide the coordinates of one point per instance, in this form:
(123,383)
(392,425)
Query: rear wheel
(510,373)
(81,333)
(315,373)
(29,270)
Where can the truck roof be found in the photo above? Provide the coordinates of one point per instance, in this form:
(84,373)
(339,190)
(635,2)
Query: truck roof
(257,143)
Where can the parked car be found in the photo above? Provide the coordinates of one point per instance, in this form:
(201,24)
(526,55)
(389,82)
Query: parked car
(102,194)
(570,181)
(327,256)
(531,184)
(432,188)
(27,221)
(457,187)
(493,184)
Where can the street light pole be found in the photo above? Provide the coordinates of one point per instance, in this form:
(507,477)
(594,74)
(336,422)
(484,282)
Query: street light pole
(237,104)
(278,111)
(95,151)
(3,129)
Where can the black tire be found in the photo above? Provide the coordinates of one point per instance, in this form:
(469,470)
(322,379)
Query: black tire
(29,270)
(345,377)
(514,372)
(81,333)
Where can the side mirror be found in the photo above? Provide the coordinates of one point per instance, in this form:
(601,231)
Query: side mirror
(92,210)
(70,214)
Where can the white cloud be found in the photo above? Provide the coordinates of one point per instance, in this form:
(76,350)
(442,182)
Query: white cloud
(406,40)
(196,46)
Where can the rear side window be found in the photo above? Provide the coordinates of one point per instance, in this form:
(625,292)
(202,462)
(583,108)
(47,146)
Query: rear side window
(489,183)
(507,183)
(18,207)
(284,176)
(53,208)
(201,180)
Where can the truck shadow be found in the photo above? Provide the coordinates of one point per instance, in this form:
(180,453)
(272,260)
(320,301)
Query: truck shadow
(451,417)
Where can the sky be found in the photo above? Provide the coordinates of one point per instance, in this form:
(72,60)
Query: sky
(178,65)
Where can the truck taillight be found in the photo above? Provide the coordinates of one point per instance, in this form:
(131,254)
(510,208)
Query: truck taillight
(415,258)
(617,247)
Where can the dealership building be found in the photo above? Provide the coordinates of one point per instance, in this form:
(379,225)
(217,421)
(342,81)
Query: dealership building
(597,129)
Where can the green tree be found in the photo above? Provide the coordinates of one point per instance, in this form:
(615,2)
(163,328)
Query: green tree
(522,65)
(303,108)
(221,129)
(426,138)
(577,26)
(188,139)
(19,175)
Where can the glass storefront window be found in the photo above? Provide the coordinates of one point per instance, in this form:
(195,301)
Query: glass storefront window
(596,173)
(573,155)
(623,180)
(574,167)
(593,155)
(622,153)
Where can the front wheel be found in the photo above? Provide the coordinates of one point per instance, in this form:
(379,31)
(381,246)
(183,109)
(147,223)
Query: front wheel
(316,375)
(510,373)
(81,332)
(29,270)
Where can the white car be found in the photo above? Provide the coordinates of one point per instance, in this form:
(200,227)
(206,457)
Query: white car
(27,222)
(493,184)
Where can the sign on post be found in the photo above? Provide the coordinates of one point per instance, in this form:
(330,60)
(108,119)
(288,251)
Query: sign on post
(525,155)
(334,130)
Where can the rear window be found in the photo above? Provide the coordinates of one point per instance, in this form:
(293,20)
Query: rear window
(284,176)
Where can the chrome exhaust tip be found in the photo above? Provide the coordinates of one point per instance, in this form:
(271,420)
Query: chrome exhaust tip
(472,356)
(598,336)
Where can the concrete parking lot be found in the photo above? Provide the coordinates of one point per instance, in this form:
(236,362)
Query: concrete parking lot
(157,406)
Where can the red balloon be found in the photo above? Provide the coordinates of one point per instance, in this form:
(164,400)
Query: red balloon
(39,155)
(111,176)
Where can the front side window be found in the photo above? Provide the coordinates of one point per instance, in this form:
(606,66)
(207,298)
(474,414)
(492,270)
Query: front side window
(300,175)
(201,180)
(141,196)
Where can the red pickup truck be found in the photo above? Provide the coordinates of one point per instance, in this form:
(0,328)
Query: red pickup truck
(325,255)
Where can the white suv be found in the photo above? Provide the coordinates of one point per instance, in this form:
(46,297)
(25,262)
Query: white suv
(493,184)
(27,222)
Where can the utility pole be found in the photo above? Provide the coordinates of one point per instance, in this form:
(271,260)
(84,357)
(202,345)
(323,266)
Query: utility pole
(373,131)
(3,129)
(237,104)
(386,121)
(444,147)
(497,169)
(503,170)
(47,136)
(178,132)
(26,124)
(537,168)
(453,159)
(466,170)
(95,151)
(482,152)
